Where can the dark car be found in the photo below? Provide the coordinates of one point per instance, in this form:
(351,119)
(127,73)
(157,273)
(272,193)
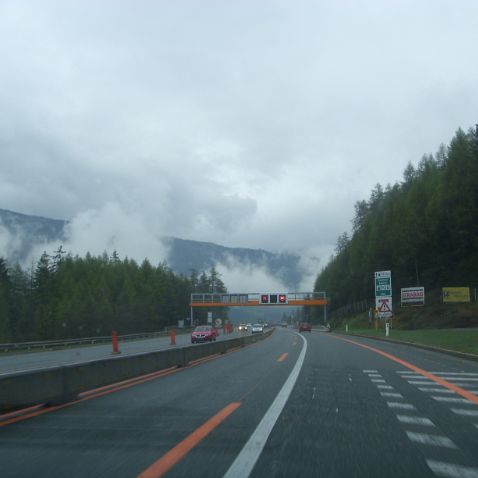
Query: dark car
(305,327)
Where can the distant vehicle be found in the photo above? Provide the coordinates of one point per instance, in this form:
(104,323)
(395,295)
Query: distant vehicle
(257,329)
(203,333)
(284,324)
(249,326)
(242,328)
(305,327)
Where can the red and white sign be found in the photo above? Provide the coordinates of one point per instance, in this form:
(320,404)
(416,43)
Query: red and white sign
(384,307)
(413,296)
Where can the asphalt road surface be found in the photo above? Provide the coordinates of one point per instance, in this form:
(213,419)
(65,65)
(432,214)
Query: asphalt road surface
(318,406)
(38,360)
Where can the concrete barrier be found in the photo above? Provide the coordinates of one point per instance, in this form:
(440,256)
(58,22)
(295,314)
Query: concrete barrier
(63,383)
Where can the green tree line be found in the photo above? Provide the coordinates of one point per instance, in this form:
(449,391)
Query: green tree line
(67,297)
(424,228)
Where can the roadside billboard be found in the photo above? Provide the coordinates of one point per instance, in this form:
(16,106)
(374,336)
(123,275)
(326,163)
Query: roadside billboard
(456,294)
(412,296)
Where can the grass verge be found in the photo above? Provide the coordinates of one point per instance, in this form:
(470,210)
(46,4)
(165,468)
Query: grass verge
(461,340)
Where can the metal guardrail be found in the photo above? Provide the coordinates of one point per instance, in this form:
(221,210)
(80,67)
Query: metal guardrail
(47,344)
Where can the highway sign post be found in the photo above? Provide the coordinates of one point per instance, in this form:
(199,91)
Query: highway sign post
(383,294)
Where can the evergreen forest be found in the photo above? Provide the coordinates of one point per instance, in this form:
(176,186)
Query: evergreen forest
(423,228)
(68,297)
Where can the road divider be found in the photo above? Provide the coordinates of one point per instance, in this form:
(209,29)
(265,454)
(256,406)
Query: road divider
(56,385)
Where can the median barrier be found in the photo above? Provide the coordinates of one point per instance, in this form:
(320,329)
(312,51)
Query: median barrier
(60,384)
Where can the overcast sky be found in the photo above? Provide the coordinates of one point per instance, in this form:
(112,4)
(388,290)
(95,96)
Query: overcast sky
(246,123)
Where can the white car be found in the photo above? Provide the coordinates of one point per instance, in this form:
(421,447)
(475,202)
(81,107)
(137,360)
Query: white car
(257,329)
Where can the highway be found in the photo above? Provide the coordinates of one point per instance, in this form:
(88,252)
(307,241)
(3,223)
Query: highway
(316,405)
(37,360)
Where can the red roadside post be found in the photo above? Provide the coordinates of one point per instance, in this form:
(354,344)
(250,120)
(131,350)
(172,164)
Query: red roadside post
(172,335)
(114,342)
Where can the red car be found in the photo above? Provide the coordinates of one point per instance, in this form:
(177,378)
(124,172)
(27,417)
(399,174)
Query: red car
(203,333)
(305,327)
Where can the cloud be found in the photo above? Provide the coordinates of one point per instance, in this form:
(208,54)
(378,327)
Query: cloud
(251,124)
(9,244)
(243,278)
(108,229)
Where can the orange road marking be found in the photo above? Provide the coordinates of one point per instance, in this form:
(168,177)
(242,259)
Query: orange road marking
(282,357)
(176,454)
(460,391)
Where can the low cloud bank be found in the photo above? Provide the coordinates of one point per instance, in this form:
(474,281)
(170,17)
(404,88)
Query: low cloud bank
(110,228)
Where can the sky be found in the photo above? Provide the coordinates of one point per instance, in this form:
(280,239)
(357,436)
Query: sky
(248,123)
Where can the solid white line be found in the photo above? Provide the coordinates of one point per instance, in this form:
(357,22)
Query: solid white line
(370,371)
(420,382)
(435,390)
(463,379)
(434,440)
(374,375)
(404,406)
(385,387)
(391,395)
(451,470)
(248,456)
(450,399)
(415,420)
(378,380)
(465,412)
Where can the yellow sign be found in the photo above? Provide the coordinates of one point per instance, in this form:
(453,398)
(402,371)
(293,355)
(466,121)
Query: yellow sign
(456,294)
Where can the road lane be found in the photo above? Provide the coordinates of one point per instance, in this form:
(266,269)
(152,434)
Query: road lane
(354,412)
(351,413)
(53,358)
(123,433)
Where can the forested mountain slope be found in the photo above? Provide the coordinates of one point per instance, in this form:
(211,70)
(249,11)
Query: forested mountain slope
(424,228)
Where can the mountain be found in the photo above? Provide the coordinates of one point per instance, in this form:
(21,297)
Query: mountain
(19,233)
(186,255)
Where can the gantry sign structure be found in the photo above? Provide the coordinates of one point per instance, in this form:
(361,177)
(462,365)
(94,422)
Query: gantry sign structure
(255,299)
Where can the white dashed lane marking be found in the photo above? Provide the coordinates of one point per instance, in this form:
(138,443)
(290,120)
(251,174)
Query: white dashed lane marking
(411,420)
(401,405)
(419,424)
(465,412)
(432,440)
(435,390)
(450,399)
(451,470)
(391,395)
